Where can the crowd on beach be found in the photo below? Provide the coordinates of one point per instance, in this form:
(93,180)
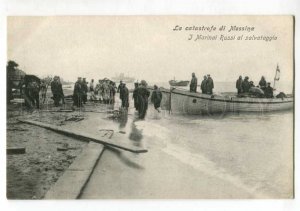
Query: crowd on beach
(104,92)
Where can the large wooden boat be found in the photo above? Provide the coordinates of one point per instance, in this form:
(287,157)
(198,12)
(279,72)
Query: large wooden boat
(183,101)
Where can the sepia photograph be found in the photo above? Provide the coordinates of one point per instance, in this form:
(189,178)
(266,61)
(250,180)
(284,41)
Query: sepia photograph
(150,107)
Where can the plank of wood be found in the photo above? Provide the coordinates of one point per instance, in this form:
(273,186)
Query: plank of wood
(57,110)
(86,137)
(15,150)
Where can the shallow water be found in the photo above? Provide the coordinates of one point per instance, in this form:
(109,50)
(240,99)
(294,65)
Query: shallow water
(252,151)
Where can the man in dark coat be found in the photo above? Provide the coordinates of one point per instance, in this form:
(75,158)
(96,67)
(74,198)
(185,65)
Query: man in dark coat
(193,84)
(77,93)
(135,95)
(156,98)
(209,85)
(203,85)
(143,95)
(262,83)
(238,85)
(269,91)
(124,93)
(33,92)
(84,89)
(246,85)
(56,90)
(61,92)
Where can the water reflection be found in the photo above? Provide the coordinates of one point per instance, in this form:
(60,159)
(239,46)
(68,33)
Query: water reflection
(123,119)
(135,134)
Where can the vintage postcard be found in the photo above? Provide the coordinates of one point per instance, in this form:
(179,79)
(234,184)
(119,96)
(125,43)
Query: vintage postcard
(150,107)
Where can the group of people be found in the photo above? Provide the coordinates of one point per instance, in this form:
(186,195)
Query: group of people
(263,89)
(243,86)
(105,89)
(207,84)
(140,97)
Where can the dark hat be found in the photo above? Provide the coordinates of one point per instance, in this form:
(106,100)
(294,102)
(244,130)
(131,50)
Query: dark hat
(143,82)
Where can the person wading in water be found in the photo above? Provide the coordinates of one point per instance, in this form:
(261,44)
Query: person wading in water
(156,98)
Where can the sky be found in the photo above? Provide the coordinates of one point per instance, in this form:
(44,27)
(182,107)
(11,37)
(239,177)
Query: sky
(147,47)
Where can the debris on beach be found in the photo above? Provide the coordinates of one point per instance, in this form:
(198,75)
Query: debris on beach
(75,118)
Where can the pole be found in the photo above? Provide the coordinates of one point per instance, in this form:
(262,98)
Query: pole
(275,78)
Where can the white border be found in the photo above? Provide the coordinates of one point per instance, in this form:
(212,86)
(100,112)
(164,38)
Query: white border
(143,7)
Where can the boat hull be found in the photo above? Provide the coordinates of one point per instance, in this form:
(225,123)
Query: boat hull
(182,101)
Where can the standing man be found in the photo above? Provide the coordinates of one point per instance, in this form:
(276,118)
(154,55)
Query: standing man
(124,92)
(246,85)
(262,83)
(203,85)
(56,89)
(135,95)
(209,85)
(193,84)
(34,90)
(238,85)
(77,94)
(269,91)
(84,89)
(92,85)
(156,98)
(143,95)
(61,92)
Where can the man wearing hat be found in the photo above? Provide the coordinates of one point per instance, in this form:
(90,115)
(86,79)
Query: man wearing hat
(84,89)
(156,98)
(209,85)
(193,84)
(238,85)
(263,83)
(56,90)
(124,95)
(143,95)
(269,91)
(135,95)
(203,85)
(246,85)
(77,94)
